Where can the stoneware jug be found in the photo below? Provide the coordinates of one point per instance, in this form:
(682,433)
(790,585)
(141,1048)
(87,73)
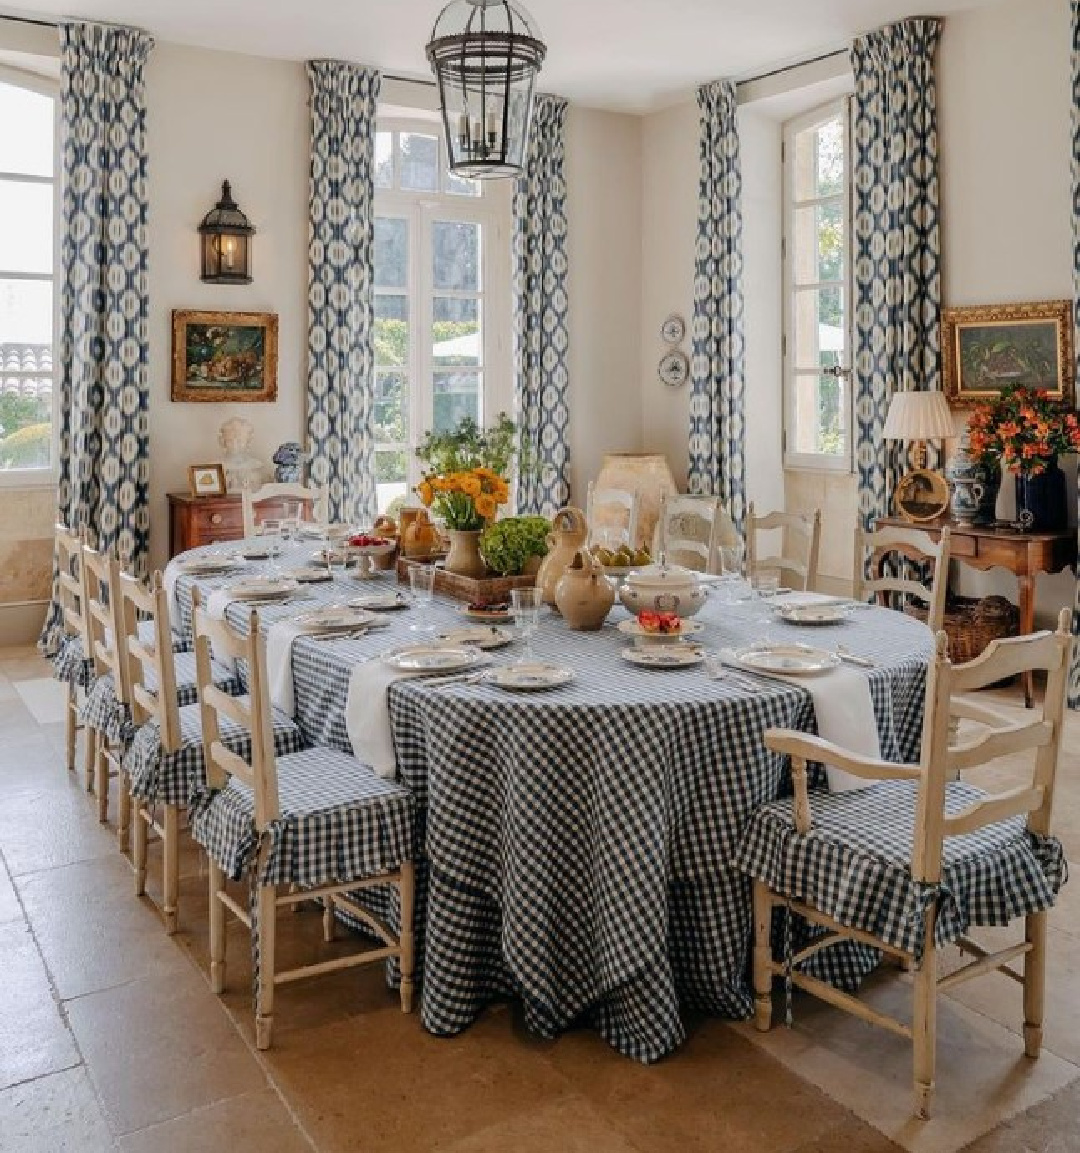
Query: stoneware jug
(584,595)
(569,533)
(418,535)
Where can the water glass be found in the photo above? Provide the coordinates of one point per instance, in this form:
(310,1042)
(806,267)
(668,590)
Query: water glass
(270,531)
(422,583)
(525,606)
(732,560)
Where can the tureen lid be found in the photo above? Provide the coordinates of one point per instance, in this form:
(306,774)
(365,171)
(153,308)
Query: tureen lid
(662,576)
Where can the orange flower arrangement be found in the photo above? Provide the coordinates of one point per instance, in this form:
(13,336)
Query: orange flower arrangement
(1022,430)
(465,500)
(465,480)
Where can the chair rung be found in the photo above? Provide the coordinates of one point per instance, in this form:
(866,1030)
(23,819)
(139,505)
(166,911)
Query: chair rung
(844,1001)
(302,895)
(987,963)
(827,922)
(349,962)
(234,907)
(375,924)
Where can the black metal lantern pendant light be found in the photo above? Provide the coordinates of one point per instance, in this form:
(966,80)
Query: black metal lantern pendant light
(226,242)
(485,55)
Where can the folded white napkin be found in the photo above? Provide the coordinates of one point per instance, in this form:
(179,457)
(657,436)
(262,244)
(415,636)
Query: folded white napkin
(367,715)
(172,575)
(279,643)
(217,602)
(845,716)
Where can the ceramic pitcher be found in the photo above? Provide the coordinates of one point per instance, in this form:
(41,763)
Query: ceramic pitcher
(584,595)
(569,533)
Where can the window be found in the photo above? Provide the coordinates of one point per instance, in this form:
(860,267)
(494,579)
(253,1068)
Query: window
(817,293)
(442,311)
(27,230)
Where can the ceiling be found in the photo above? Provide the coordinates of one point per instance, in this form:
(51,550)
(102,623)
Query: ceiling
(626,55)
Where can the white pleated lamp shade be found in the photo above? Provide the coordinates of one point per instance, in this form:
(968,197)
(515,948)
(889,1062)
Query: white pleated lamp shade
(918,416)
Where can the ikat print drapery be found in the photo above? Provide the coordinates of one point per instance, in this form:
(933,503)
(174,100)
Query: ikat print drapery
(341,320)
(896,252)
(1074,672)
(717,364)
(541,337)
(104,466)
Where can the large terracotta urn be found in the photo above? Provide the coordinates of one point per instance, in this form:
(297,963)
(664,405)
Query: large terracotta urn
(646,473)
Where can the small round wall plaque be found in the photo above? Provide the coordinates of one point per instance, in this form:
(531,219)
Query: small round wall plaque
(674,368)
(673,329)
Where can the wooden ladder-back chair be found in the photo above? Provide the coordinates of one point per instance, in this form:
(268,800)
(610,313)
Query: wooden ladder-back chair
(690,531)
(108,703)
(800,574)
(312,503)
(76,640)
(939,855)
(166,761)
(626,506)
(916,545)
(325,802)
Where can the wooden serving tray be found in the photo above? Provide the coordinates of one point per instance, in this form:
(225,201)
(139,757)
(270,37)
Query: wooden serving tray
(472,590)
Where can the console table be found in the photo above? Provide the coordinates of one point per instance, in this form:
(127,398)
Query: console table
(1026,554)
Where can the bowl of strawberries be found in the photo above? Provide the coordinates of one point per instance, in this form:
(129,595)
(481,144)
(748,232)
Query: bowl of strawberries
(659,628)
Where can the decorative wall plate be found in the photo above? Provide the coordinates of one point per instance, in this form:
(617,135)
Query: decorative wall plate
(673,329)
(674,368)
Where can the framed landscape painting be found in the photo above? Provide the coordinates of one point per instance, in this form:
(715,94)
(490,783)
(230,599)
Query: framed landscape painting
(989,347)
(224,355)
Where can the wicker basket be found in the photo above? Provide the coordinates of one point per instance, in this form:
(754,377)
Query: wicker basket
(971,624)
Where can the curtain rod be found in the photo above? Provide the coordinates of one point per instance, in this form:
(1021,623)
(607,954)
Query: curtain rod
(409,80)
(793,67)
(28,20)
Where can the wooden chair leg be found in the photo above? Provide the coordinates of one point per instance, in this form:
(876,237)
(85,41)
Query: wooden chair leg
(171,878)
(407,940)
(217,929)
(139,836)
(101,773)
(90,757)
(924,1023)
(264,989)
(328,919)
(72,728)
(762,957)
(123,816)
(1034,982)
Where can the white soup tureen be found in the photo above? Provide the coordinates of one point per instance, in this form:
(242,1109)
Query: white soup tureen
(663,588)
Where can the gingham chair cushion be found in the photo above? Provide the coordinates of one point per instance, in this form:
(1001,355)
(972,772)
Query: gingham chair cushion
(69,663)
(853,865)
(339,822)
(103,712)
(146,635)
(176,778)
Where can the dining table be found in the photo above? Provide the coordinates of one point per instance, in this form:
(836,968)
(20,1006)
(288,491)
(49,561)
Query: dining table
(573,844)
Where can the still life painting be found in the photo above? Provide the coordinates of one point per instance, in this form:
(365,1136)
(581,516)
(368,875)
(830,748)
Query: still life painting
(988,348)
(224,356)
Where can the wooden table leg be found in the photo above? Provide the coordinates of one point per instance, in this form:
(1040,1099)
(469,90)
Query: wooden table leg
(1027,625)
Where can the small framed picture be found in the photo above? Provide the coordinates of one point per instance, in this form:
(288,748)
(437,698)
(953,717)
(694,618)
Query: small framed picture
(206,479)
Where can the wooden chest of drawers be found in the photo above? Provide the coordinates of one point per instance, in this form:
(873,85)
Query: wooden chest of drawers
(199,520)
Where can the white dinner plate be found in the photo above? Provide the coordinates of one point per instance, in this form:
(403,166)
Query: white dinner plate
(632,628)
(254,552)
(381,602)
(267,589)
(481,636)
(813,614)
(334,618)
(790,660)
(503,616)
(308,575)
(206,565)
(663,656)
(532,676)
(433,659)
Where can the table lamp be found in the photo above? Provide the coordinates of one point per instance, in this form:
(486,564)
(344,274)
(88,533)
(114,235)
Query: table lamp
(917,417)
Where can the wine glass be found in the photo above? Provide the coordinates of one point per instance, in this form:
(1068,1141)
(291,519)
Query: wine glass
(525,605)
(422,583)
(732,561)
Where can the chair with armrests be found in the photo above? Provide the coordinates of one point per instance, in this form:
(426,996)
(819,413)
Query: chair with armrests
(801,573)
(913,544)
(313,825)
(72,663)
(611,512)
(911,862)
(164,767)
(690,531)
(266,501)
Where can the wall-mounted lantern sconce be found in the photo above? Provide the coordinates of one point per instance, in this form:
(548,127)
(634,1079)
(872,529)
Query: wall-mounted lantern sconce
(226,242)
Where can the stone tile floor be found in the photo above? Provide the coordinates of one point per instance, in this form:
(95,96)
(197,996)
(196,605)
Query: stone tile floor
(111,1039)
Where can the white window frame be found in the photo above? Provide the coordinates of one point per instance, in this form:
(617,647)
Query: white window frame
(815,462)
(491,210)
(41,477)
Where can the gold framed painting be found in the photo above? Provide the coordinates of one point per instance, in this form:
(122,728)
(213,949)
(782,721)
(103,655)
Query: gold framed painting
(206,479)
(987,348)
(230,356)
(921,496)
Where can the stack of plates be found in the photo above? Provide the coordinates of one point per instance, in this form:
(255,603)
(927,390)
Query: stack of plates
(206,565)
(381,602)
(434,659)
(532,676)
(788,660)
(482,636)
(334,619)
(664,656)
(263,589)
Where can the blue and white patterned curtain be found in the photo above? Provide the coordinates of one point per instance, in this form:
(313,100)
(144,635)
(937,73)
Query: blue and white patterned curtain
(897,252)
(717,364)
(341,319)
(541,338)
(1074,672)
(103,356)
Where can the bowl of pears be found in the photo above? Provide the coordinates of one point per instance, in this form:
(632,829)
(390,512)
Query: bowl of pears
(618,562)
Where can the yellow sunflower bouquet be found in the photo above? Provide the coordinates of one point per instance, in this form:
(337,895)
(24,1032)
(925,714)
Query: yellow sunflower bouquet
(465,481)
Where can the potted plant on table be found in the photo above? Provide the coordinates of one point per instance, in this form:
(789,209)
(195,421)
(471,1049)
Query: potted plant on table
(465,482)
(1024,431)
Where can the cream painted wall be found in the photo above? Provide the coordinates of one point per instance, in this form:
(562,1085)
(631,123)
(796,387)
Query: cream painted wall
(604,220)
(213,116)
